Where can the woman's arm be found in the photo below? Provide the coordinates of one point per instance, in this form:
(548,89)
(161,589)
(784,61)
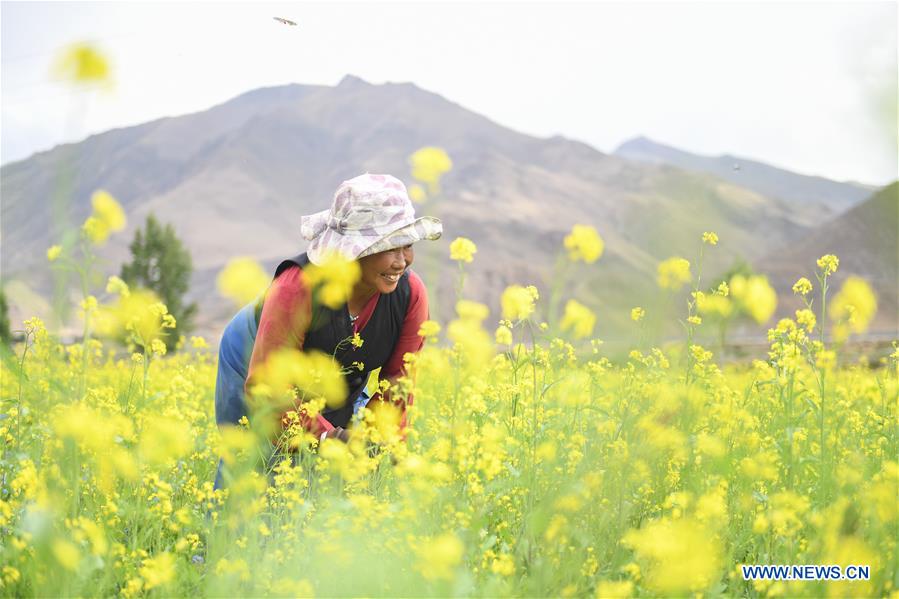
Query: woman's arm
(285,317)
(283,321)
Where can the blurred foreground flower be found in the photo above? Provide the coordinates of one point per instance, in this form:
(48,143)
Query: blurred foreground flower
(429,329)
(579,318)
(107,217)
(680,556)
(429,164)
(467,333)
(673,273)
(755,296)
(242,280)
(853,307)
(138,314)
(82,64)
(518,302)
(313,373)
(584,243)
(439,556)
(333,280)
(714,304)
(417,194)
(158,570)
(503,335)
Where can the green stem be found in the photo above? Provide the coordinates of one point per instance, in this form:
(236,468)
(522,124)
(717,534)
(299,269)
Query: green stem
(19,403)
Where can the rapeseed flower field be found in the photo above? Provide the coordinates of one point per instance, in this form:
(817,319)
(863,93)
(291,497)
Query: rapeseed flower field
(533,465)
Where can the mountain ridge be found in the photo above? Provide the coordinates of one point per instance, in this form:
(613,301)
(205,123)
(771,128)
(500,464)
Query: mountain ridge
(235,179)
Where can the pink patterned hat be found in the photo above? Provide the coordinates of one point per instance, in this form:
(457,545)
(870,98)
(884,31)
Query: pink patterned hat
(370,214)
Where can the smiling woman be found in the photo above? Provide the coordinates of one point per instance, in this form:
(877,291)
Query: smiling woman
(371,222)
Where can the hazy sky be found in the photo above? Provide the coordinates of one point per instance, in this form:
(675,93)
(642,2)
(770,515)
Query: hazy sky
(796,85)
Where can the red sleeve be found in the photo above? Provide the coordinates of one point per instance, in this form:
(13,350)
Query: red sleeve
(284,319)
(286,313)
(409,340)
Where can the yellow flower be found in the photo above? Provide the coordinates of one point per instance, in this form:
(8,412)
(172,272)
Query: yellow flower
(242,280)
(116,285)
(723,290)
(108,210)
(855,303)
(802,287)
(517,302)
(503,564)
(67,554)
(95,230)
(314,373)
(828,264)
(806,318)
(673,273)
(334,279)
(681,555)
(463,249)
(429,164)
(714,304)
(826,359)
(637,314)
(694,320)
(503,335)
(198,342)
(157,347)
(608,589)
(472,311)
(579,318)
(89,304)
(429,329)
(53,252)
(755,296)
(584,243)
(158,570)
(439,556)
(418,194)
(710,238)
(82,63)
(164,439)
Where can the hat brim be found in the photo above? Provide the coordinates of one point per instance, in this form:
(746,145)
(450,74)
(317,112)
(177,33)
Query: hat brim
(424,227)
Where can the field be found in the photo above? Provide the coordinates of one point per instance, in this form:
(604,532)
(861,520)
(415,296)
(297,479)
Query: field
(533,465)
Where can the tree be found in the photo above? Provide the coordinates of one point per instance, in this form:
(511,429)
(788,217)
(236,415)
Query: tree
(161,263)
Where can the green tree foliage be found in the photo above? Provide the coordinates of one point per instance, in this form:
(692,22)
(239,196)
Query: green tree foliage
(5,333)
(161,263)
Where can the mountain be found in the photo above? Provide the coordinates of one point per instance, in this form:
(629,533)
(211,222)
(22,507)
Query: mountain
(864,239)
(816,198)
(235,179)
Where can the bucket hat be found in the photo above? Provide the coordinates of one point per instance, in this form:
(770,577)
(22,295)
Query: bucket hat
(369,214)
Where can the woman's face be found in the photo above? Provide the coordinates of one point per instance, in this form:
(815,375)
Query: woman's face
(382,271)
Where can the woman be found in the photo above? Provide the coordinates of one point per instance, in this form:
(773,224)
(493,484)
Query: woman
(371,220)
